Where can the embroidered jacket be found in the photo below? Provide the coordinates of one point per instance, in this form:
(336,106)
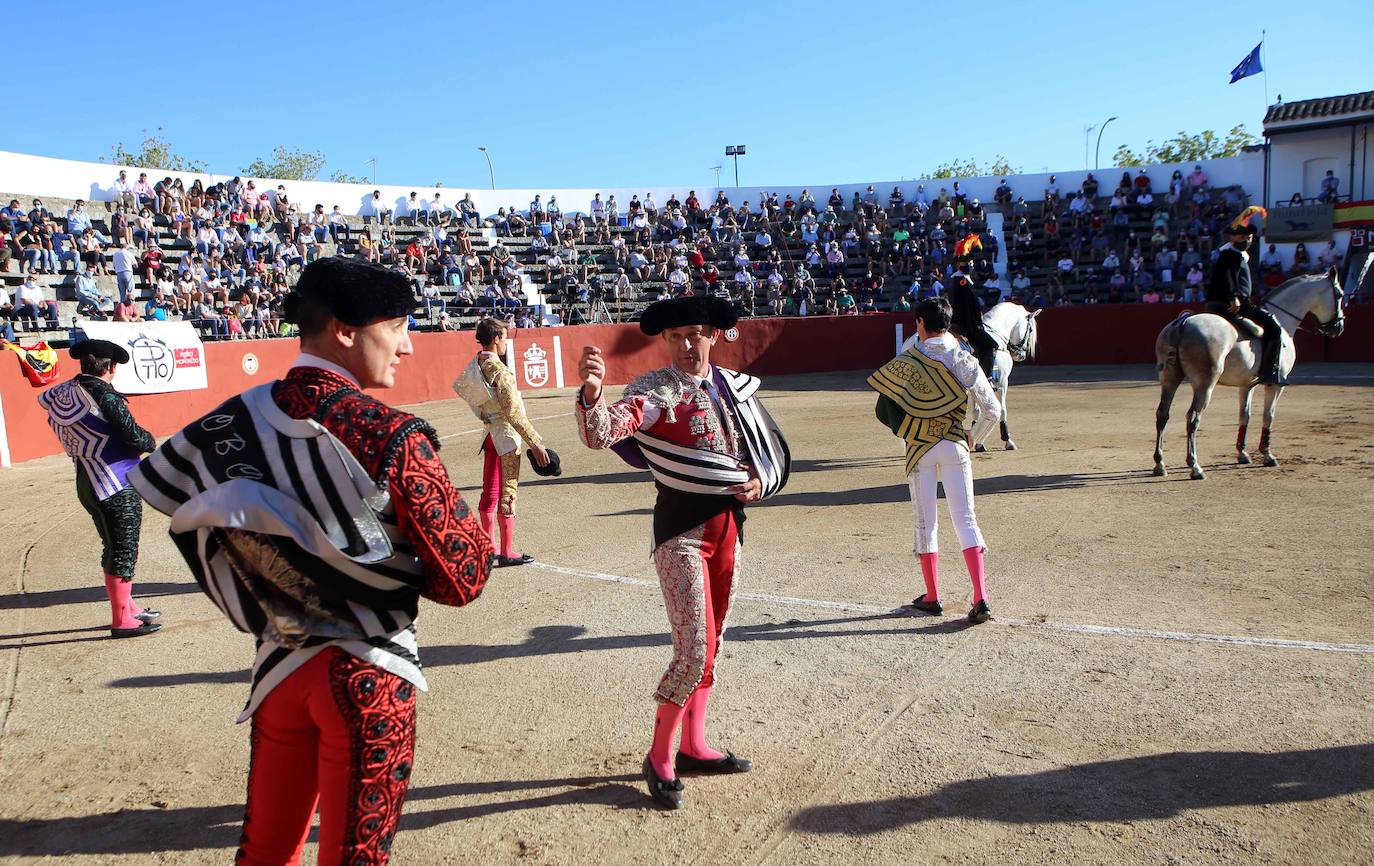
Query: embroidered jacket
(488,387)
(314,515)
(698,437)
(92,421)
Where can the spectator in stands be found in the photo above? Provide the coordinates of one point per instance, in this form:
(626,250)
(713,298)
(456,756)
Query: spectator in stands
(1329,257)
(1142,283)
(1193,291)
(32,305)
(90,301)
(1330,187)
(1197,179)
(1002,195)
(144,193)
(1065,266)
(374,208)
(122,192)
(1302,260)
(1089,187)
(1271,262)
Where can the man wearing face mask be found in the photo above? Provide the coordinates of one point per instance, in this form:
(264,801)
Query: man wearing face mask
(1228,296)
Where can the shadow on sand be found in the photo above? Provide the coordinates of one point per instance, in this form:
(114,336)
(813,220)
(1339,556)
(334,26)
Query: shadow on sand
(1153,787)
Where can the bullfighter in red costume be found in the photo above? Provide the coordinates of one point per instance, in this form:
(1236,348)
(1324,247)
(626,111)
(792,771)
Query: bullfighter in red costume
(315,517)
(712,447)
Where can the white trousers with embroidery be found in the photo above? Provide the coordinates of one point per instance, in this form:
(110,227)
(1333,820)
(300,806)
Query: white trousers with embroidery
(948,464)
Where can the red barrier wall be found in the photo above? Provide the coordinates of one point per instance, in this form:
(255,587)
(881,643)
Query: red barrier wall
(1101,334)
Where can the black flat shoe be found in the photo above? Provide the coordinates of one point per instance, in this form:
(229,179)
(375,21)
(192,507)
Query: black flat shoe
(667,794)
(508,561)
(685,763)
(934,608)
(148,615)
(980,612)
(140,631)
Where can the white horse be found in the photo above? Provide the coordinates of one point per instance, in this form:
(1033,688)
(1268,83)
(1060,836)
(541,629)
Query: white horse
(1015,330)
(1207,350)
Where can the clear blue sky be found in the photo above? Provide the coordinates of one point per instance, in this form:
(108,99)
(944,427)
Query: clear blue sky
(588,94)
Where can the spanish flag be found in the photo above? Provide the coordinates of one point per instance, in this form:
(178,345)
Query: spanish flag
(39,362)
(968,245)
(1248,215)
(1354,214)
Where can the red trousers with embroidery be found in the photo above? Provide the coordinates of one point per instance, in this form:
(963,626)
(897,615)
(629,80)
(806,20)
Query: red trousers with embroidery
(696,571)
(338,733)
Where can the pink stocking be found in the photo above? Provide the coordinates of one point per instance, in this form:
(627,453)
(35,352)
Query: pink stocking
(507,522)
(666,722)
(121,593)
(973,557)
(488,521)
(694,727)
(930,572)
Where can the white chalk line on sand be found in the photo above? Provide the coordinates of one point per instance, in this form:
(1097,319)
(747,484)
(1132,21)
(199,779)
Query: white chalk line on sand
(483,429)
(1072,628)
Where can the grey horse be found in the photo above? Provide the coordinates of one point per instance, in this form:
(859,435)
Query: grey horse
(1207,350)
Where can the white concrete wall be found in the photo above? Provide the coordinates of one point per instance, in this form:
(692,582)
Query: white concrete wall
(23,174)
(1298,161)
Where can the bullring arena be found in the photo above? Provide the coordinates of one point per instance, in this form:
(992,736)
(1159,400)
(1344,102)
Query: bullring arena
(1178,671)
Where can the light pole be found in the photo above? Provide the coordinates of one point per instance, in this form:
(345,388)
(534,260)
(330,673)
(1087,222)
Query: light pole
(373,162)
(716,169)
(1087,131)
(736,151)
(1097,154)
(491,171)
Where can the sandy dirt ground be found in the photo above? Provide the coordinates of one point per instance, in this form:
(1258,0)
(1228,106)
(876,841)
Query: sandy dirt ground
(877,736)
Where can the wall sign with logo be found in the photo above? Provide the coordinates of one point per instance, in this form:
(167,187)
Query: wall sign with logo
(1306,223)
(731,335)
(163,356)
(250,363)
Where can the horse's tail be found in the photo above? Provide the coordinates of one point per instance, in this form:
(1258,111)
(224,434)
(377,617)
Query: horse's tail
(1173,334)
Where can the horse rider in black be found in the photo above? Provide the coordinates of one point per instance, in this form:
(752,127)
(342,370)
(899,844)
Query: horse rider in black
(967,319)
(1229,296)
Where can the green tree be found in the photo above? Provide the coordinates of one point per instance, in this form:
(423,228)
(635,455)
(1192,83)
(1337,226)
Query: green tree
(339,176)
(287,165)
(155,152)
(970,168)
(1186,147)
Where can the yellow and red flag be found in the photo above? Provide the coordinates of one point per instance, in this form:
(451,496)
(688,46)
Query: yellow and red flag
(968,245)
(38,361)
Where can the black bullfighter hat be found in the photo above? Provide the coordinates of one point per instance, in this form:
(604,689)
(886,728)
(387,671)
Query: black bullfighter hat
(352,291)
(689,310)
(99,349)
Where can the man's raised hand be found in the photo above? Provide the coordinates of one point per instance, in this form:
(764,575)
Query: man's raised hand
(591,369)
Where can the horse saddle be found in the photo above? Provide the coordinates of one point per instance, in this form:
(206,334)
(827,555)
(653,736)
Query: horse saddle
(1249,329)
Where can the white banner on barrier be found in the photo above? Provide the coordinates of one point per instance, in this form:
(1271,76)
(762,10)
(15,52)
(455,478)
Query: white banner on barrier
(163,356)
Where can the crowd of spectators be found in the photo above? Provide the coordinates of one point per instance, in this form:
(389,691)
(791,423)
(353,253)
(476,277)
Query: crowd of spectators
(238,248)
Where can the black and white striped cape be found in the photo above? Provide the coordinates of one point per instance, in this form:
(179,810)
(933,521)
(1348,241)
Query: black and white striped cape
(698,470)
(288,535)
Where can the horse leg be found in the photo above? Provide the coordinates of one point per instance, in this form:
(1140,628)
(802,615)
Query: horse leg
(1004,387)
(1167,388)
(1271,400)
(1201,397)
(1241,456)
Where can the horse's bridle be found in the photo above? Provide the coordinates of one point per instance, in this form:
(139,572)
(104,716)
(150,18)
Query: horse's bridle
(1332,328)
(1018,351)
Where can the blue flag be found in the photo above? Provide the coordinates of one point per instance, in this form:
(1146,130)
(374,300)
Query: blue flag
(1249,66)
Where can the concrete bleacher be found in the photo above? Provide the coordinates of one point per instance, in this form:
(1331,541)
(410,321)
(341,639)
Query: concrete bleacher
(539,292)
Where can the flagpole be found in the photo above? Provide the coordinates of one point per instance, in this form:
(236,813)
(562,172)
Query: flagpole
(1265,68)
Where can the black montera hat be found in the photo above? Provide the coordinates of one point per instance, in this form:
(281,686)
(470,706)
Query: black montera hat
(554,466)
(99,349)
(688,310)
(352,291)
